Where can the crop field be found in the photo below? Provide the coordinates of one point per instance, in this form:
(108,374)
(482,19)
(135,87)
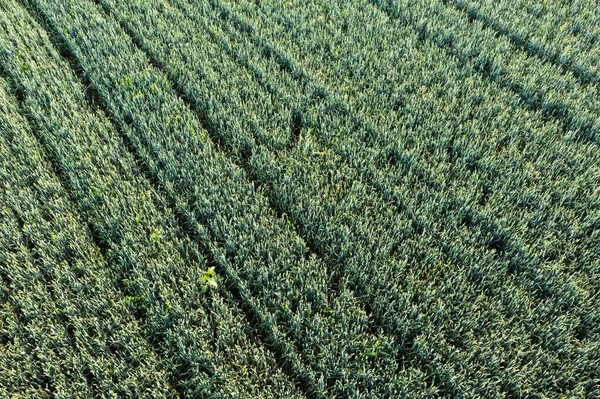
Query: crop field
(299,199)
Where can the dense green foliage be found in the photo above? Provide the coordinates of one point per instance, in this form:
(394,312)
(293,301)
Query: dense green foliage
(249,198)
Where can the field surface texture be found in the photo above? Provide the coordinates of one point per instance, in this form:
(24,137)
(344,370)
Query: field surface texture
(302,199)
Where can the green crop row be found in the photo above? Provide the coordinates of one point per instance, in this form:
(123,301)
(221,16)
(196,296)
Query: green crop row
(540,85)
(586,262)
(172,53)
(449,122)
(333,357)
(192,65)
(222,87)
(561,32)
(300,177)
(231,218)
(198,342)
(393,222)
(62,323)
(519,186)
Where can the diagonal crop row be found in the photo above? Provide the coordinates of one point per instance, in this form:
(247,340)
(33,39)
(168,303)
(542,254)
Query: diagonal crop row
(298,40)
(215,120)
(236,222)
(173,44)
(541,37)
(358,262)
(153,265)
(491,243)
(497,242)
(452,125)
(181,71)
(335,356)
(423,339)
(541,86)
(64,329)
